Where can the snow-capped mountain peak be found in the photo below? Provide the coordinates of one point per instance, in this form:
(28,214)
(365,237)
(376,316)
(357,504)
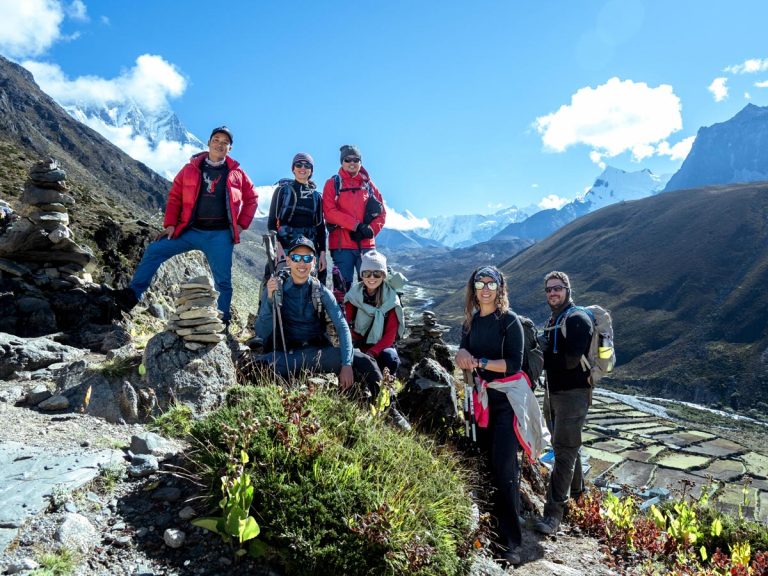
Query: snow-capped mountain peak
(468,229)
(616,185)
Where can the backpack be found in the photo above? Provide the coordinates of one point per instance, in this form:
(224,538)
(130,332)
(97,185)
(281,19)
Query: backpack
(373,207)
(533,355)
(288,201)
(600,357)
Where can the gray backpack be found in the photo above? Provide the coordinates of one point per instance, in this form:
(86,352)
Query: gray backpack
(600,358)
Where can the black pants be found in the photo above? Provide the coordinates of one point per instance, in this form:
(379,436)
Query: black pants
(500,445)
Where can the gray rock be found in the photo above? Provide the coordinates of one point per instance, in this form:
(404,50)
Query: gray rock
(53,403)
(174,538)
(55,174)
(59,233)
(167,494)
(143,465)
(129,402)
(197,378)
(157,311)
(37,195)
(23,565)
(187,513)
(76,532)
(13,268)
(154,444)
(38,394)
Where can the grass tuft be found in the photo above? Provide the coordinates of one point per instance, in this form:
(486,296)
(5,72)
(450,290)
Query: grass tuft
(176,422)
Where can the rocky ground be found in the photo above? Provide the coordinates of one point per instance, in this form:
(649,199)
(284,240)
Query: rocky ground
(131,514)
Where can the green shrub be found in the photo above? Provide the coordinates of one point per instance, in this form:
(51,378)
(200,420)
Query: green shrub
(176,422)
(336,491)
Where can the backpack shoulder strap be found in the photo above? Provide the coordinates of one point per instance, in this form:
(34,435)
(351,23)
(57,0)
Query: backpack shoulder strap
(337,185)
(317,297)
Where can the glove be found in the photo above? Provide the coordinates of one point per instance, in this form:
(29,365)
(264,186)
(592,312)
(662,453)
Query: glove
(357,233)
(365,230)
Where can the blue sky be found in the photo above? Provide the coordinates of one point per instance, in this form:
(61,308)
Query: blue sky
(458,107)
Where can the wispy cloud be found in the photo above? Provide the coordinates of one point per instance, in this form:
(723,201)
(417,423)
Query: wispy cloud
(678,151)
(552,201)
(77,11)
(748,66)
(616,117)
(406,221)
(30,27)
(719,88)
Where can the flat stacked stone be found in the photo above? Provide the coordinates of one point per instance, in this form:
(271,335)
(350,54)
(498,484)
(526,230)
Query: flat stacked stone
(196,320)
(41,242)
(425,340)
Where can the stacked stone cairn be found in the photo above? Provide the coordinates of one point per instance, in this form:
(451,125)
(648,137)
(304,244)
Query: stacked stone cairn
(40,245)
(197,321)
(425,340)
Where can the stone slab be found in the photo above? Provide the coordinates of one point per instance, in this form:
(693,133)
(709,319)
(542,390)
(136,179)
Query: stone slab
(614,445)
(723,470)
(651,432)
(672,479)
(29,474)
(588,436)
(716,447)
(685,437)
(635,474)
(682,461)
(596,454)
(762,512)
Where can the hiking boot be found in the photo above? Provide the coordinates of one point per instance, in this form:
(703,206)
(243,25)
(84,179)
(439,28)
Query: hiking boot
(255,343)
(396,417)
(546,525)
(511,557)
(125,298)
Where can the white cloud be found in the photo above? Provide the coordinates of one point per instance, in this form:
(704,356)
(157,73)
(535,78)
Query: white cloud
(534,185)
(407,221)
(677,152)
(719,88)
(150,84)
(747,96)
(552,201)
(30,27)
(616,117)
(762,84)
(77,11)
(748,66)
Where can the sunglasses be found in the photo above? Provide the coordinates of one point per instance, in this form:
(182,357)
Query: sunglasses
(492,286)
(302,165)
(306,258)
(374,273)
(351,160)
(549,289)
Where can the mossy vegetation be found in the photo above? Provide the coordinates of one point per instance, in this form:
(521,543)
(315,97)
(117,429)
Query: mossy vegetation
(62,562)
(176,422)
(337,491)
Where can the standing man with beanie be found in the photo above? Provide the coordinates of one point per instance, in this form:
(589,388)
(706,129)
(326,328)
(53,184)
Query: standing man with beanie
(567,397)
(354,212)
(210,203)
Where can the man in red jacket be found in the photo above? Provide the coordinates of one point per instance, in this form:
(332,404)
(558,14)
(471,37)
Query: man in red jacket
(354,213)
(211,202)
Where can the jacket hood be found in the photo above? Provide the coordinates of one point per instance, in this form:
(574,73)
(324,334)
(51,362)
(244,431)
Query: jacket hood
(197,159)
(362,175)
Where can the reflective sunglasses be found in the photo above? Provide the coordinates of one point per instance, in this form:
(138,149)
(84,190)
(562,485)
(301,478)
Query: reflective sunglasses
(549,289)
(351,160)
(492,286)
(306,258)
(302,165)
(374,273)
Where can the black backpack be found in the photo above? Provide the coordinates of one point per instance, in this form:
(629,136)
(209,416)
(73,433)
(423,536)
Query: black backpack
(533,355)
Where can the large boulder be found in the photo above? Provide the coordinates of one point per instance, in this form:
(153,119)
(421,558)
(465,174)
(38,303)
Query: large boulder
(195,378)
(429,398)
(26,354)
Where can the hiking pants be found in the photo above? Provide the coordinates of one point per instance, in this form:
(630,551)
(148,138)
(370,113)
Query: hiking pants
(565,412)
(327,359)
(347,259)
(499,442)
(217,245)
(388,358)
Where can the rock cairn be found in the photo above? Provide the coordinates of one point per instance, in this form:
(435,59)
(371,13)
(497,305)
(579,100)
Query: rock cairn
(197,320)
(425,340)
(40,244)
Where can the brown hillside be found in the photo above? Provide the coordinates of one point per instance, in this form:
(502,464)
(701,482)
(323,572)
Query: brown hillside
(684,274)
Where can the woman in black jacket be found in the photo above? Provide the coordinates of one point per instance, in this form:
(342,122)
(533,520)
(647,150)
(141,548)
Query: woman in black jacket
(492,347)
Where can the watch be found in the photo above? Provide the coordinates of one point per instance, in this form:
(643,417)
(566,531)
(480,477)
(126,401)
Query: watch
(483,363)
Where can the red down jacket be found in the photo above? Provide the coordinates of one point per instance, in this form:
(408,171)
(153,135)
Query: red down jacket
(348,210)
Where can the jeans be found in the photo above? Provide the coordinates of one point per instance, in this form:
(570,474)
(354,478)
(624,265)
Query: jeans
(565,413)
(217,245)
(500,444)
(324,360)
(347,259)
(388,358)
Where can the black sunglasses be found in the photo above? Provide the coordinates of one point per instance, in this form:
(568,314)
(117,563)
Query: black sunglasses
(374,273)
(302,165)
(307,258)
(351,160)
(549,289)
(492,286)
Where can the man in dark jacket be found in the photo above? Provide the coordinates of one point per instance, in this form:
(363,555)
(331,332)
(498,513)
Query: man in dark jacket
(306,343)
(211,202)
(567,398)
(354,212)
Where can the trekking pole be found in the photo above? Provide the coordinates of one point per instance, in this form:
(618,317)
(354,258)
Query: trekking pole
(469,387)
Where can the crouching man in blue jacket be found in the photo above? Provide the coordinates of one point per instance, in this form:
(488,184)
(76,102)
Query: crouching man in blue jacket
(303,303)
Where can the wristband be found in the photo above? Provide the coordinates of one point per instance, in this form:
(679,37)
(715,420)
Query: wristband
(483,363)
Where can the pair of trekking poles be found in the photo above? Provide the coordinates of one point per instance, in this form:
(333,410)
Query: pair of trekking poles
(270,246)
(470,422)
